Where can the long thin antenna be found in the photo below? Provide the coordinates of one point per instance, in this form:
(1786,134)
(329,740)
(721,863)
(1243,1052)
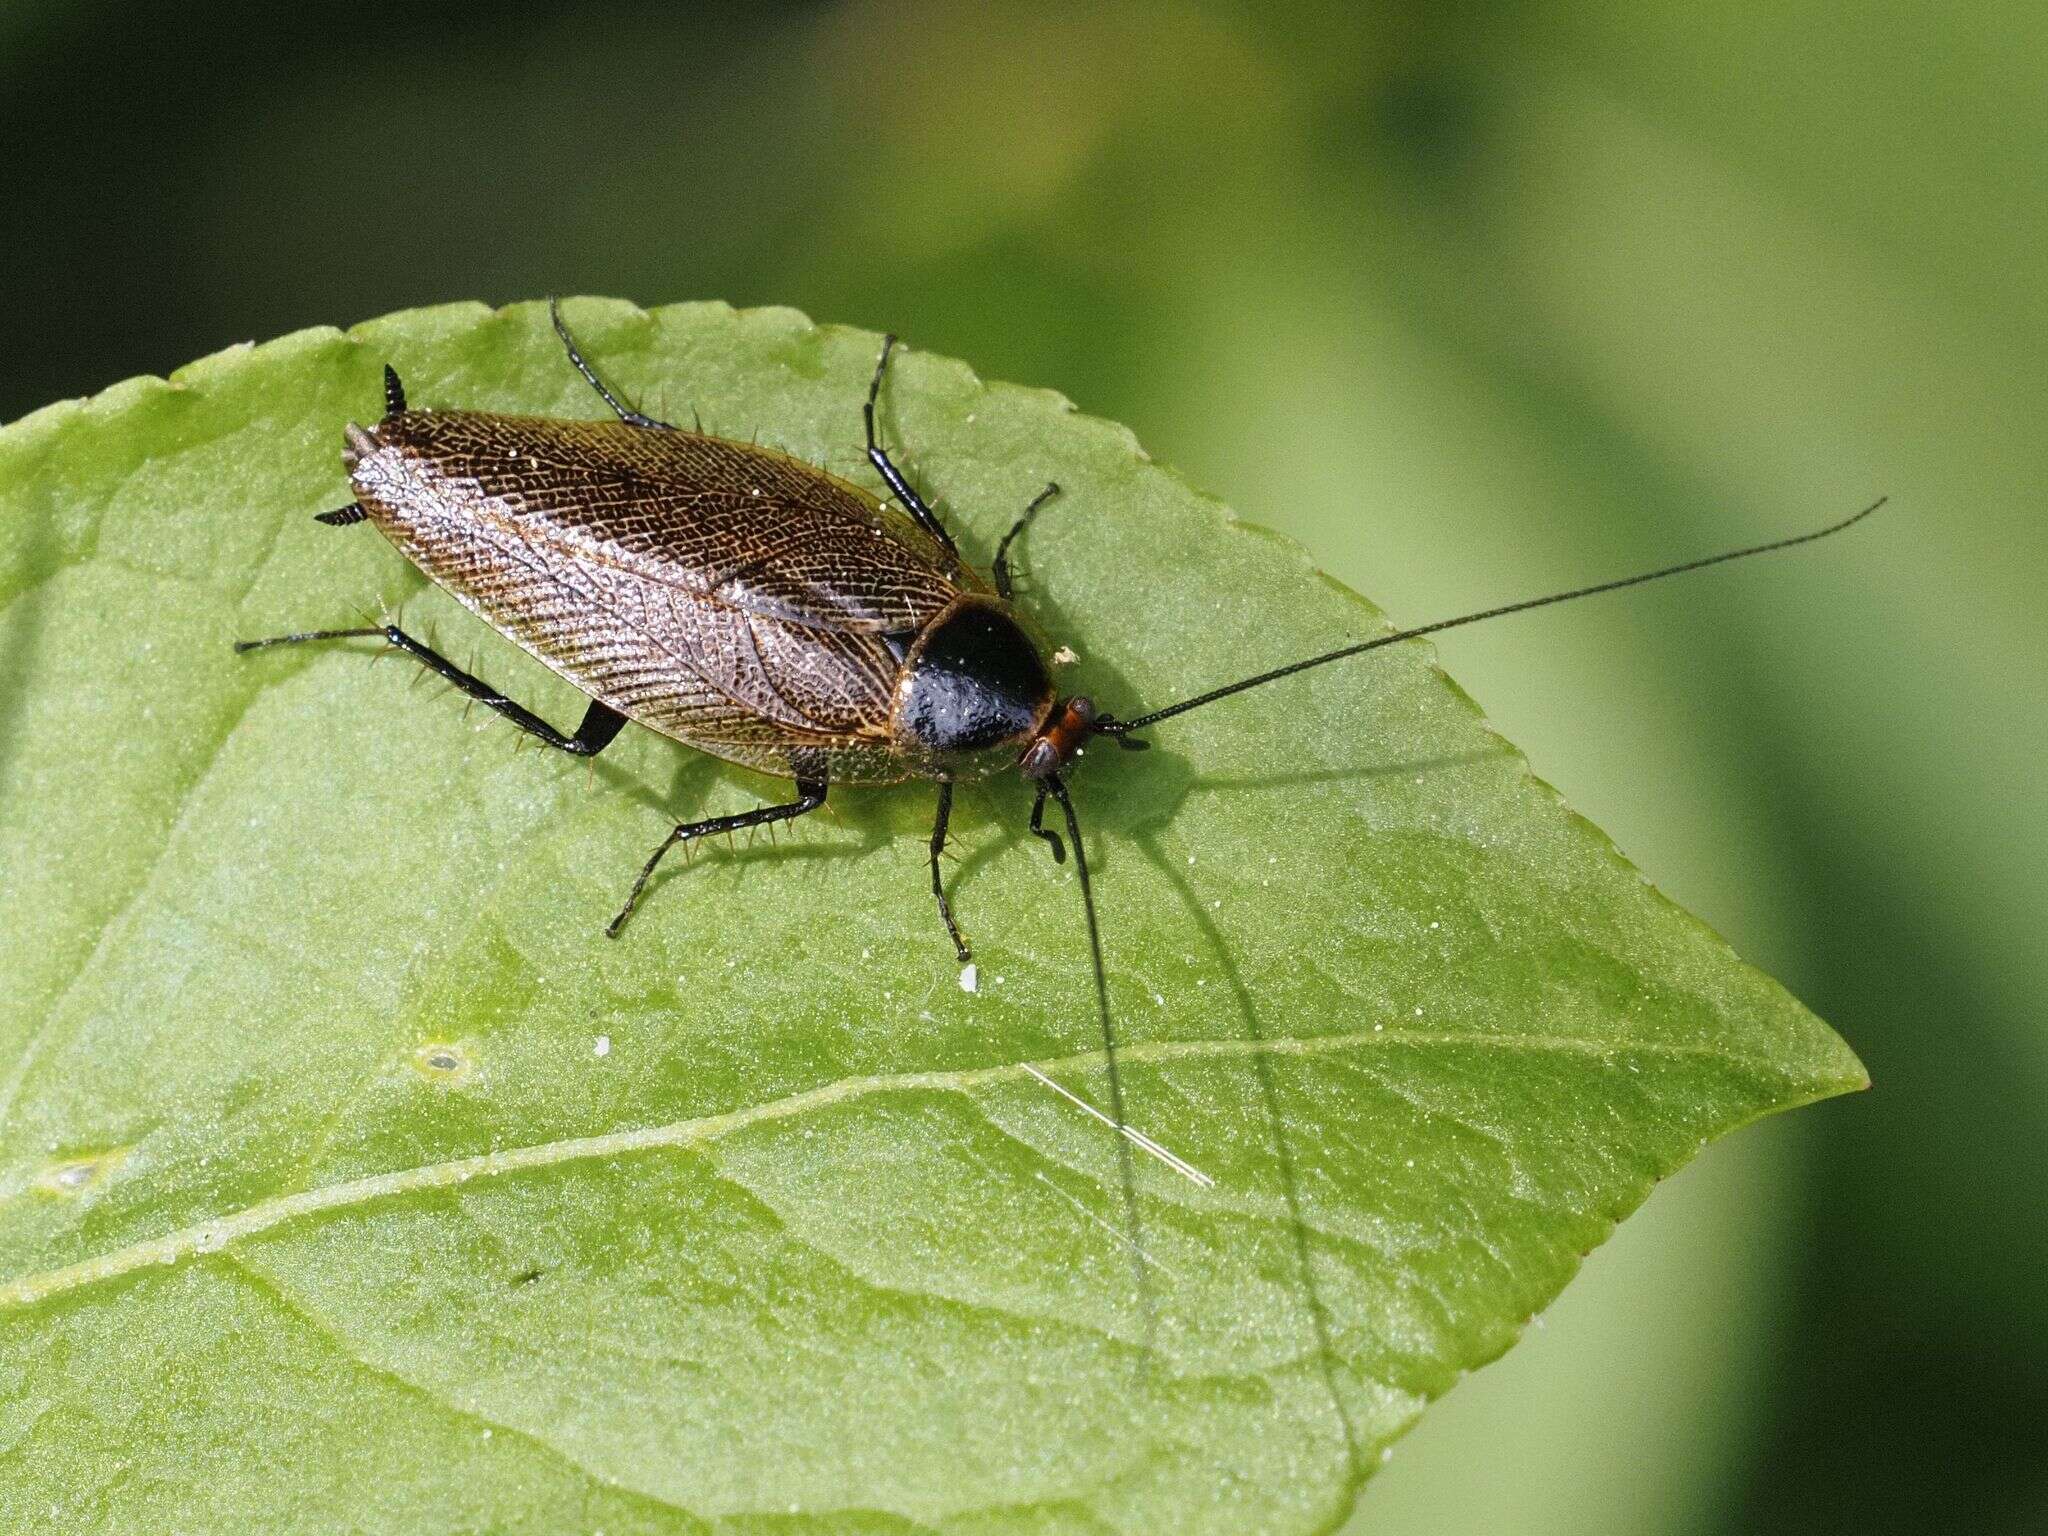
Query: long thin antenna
(1126,1167)
(1113,727)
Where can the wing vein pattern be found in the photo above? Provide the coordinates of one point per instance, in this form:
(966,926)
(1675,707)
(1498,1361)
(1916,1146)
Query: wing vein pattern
(722,593)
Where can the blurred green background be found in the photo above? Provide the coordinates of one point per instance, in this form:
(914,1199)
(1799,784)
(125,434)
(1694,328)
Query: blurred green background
(1476,300)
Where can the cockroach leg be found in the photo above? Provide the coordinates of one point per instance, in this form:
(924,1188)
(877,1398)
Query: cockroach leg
(1001,569)
(600,722)
(1040,829)
(810,794)
(299,637)
(625,412)
(877,456)
(945,812)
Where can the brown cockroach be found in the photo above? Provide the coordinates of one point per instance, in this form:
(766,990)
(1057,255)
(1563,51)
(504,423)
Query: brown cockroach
(758,608)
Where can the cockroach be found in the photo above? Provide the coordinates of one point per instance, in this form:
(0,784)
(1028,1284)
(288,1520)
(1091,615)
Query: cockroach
(756,607)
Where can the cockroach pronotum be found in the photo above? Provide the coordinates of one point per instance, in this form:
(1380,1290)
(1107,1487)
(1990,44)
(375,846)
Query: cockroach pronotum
(758,608)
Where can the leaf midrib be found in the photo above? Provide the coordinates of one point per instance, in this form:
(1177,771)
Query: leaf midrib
(216,1233)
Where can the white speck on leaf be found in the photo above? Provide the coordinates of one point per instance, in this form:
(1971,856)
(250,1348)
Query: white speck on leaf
(970,978)
(602,1046)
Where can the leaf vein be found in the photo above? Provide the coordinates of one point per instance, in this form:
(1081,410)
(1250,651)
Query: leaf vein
(213,1234)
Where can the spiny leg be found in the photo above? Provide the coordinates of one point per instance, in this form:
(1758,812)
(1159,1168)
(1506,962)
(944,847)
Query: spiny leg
(810,794)
(938,883)
(600,723)
(1001,569)
(926,518)
(625,412)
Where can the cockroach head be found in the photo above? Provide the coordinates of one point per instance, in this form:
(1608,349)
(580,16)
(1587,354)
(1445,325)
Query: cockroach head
(1070,724)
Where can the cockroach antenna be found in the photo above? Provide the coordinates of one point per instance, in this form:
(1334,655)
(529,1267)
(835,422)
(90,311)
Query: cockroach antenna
(1106,725)
(1078,720)
(1055,786)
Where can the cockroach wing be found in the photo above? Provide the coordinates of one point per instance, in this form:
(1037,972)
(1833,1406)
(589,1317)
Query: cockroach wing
(725,594)
(751,526)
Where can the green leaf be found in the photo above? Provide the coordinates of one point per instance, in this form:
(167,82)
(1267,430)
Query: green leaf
(351,1179)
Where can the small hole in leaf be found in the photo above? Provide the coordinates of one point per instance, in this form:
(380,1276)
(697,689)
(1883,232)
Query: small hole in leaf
(444,1064)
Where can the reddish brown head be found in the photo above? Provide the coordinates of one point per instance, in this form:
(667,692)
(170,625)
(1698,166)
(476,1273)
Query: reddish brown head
(1069,725)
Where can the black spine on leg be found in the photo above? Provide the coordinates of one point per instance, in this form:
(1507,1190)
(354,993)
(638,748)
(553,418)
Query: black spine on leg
(341,517)
(394,392)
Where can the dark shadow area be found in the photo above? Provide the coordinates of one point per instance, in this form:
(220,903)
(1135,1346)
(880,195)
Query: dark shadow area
(1912,1368)
(120,234)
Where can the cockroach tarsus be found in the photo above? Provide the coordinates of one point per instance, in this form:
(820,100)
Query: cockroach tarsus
(766,611)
